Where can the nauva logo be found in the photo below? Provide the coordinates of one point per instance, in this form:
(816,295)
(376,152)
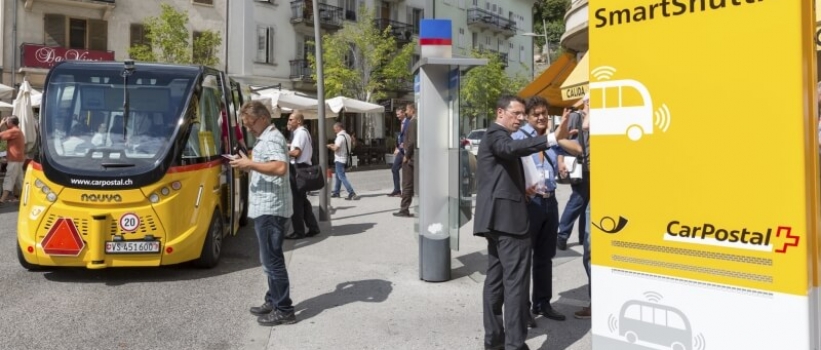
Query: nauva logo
(101,198)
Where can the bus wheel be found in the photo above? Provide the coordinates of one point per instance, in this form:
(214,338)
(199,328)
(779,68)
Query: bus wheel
(25,264)
(212,247)
(631,337)
(634,132)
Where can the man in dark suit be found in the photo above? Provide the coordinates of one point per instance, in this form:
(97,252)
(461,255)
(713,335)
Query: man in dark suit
(408,162)
(500,203)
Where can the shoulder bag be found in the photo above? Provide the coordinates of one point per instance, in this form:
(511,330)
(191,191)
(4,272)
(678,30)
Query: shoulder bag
(309,177)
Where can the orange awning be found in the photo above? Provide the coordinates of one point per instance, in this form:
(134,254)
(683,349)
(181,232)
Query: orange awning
(549,84)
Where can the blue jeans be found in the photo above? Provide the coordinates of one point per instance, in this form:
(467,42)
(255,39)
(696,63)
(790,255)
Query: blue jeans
(575,209)
(270,233)
(341,178)
(586,256)
(397,166)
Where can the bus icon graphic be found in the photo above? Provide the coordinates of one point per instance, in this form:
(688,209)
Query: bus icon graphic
(625,107)
(655,324)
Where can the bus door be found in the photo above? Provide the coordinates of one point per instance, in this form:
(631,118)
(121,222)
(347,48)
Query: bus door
(235,176)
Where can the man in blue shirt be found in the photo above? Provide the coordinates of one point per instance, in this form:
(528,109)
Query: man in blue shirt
(543,209)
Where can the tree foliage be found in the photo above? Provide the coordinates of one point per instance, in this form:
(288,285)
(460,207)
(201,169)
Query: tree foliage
(550,13)
(361,62)
(168,36)
(481,86)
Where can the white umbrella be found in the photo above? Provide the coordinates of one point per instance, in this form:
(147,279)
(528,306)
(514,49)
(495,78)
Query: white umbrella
(6,106)
(351,105)
(6,92)
(36,97)
(286,101)
(22,109)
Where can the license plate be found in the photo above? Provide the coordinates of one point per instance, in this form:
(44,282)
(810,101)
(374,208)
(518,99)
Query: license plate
(126,247)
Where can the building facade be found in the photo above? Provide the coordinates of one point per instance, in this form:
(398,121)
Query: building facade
(494,26)
(39,33)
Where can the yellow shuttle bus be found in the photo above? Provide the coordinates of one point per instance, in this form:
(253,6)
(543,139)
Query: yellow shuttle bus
(131,171)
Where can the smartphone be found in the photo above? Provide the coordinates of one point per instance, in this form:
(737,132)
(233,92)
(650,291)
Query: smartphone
(230,156)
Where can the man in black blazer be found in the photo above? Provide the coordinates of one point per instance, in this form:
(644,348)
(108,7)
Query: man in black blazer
(501,217)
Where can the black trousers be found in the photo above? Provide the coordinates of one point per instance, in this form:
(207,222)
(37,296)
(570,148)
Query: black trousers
(303,210)
(507,284)
(407,186)
(544,226)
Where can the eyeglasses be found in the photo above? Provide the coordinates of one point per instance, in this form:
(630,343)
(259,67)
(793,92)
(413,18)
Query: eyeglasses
(517,113)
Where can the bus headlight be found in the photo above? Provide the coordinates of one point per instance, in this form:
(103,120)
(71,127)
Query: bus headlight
(45,189)
(154,198)
(176,185)
(165,191)
(38,183)
(51,196)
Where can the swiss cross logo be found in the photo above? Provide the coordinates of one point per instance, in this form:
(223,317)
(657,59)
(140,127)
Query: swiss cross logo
(63,239)
(789,239)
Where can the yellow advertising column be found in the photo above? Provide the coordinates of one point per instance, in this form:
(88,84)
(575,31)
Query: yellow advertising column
(704,163)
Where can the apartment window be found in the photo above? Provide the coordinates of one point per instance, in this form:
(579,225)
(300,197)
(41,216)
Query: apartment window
(139,35)
(487,41)
(487,6)
(522,57)
(416,16)
(475,3)
(461,39)
(500,44)
(475,39)
(501,12)
(75,33)
(350,10)
(203,2)
(493,8)
(265,45)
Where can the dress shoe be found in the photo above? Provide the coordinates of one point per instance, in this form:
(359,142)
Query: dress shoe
(561,243)
(403,214)
(277,317)
(394,194)
(312,233)
(495,347)
(295,236)
(547,311)
(262,310)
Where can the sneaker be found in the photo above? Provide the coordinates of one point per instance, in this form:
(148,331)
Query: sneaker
(352,196)
(277,317)
(561,243)
(334,195)
(262,310)
(584,313)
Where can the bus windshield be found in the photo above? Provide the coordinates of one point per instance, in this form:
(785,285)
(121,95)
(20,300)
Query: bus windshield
(83,125)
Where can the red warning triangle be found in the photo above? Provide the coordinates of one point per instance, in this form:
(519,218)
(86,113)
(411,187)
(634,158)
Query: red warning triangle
(63,239)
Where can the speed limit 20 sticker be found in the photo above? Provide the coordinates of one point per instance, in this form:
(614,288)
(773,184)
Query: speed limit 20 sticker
(129,222)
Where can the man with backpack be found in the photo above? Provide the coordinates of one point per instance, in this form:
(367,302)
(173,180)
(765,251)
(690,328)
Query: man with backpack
(342,157)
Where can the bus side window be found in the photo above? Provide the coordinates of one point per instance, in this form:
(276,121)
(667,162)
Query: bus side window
(647,314)
(612,97)
(596,98)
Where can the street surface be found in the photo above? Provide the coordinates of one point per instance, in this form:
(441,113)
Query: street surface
(356,286)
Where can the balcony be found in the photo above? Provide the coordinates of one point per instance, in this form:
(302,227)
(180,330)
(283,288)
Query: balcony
(479,19)
(402,32)
(106,6)
(301,70)
(302,16)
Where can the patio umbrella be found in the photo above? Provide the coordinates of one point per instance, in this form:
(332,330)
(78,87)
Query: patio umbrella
(347,104)
(22,109)
(286,101)
(36,97)
(6,106)
(6,92)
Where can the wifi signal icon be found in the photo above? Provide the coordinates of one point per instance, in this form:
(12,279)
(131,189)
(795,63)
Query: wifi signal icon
(699,343)
(653,296)
(603,72)
(613,323)
(662,118)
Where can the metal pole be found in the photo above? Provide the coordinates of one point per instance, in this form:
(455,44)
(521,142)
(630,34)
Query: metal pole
(320,97)
(546,41)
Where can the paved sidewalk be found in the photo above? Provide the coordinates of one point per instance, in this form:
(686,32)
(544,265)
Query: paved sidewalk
(357,286)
